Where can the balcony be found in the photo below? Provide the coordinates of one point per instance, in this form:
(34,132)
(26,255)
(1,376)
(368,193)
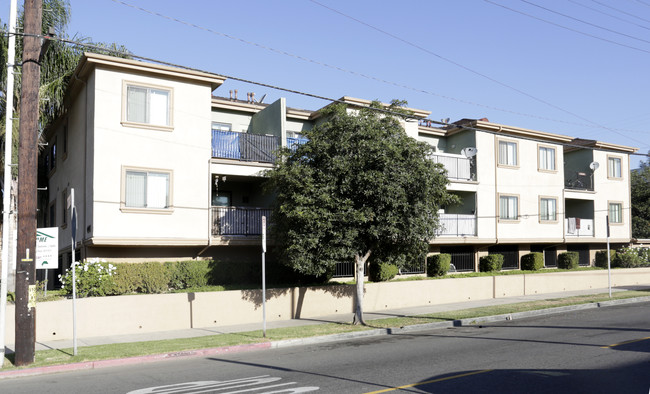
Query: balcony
(457,225)
(458,167)
(238,221)
(244,146)
(579,181)
(578,227)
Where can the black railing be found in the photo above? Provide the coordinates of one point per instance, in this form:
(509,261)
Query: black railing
(579,181)
(244,146)
(238,221)
(462,261)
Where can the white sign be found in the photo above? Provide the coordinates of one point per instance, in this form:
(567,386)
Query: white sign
(47,248)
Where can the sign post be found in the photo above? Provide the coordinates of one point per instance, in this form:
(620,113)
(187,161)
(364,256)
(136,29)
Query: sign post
(609,263)
(47,250)
(263,276)
(73,227)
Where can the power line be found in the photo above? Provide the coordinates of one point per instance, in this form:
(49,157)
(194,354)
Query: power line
(621,11)
(389,112)
(567,28)
(609,15)
(471,70)
(585,22)
(418,90)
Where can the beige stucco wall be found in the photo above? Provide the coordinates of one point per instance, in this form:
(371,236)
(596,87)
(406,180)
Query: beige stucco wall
(105,316)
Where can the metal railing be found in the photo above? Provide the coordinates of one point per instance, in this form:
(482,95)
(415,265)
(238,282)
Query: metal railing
(244,146)
(578,227)
(457,225)
(579,181)
(462,261)
(458,167)
(238,221)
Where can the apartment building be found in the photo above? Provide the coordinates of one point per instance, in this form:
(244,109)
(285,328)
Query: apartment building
(164,166)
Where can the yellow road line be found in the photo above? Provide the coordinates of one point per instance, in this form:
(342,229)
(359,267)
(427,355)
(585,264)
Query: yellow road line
(428,381)
(625,343)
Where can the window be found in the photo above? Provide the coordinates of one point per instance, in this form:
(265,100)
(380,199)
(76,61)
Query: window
(546,158)
(65,140)
(52,163)
(508,207)
(614,167)
(508,153)
(221,126)
(615,212)
(147,189)
(548,209)
(64,207)
(148,105)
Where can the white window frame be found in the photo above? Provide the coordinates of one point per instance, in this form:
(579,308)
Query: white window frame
(614,220)
(611,169)
(221,126)
(168,124)
(168,209)
(542,217)
(542,159)
(509,217)
(508,162)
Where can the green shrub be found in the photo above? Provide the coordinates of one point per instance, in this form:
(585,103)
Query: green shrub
(188,274)
(381,272)
(438,264)
(568,260)
(601,258)
(147,278)
(532,261)
(92,278)
(627,258)
(490,263)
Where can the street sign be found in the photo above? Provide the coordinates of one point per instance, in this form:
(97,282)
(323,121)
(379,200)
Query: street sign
(47,248)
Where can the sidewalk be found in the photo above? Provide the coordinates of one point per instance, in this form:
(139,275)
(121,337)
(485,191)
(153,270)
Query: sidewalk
(346,317)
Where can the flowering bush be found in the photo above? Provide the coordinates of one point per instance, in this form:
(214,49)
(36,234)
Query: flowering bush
(632,257)
(93,278)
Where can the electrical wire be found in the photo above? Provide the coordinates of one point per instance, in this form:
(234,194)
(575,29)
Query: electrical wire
(585,22)
(621,11)
(382,110)
(418,90)
(609,15)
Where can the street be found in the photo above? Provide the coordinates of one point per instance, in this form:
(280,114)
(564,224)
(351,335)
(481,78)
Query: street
(602,350)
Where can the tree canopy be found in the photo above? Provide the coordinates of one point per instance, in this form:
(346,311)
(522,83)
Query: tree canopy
(359,186)
(641,201)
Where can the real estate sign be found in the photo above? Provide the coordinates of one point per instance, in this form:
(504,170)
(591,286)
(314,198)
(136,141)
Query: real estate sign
(47,248)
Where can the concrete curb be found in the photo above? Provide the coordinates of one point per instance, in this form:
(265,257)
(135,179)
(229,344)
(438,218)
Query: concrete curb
(308,341)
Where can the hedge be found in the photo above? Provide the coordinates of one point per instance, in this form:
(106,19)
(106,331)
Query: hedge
(532,261)
(438,264)
(601,258)
(490,263)
(568,260)
(381,272)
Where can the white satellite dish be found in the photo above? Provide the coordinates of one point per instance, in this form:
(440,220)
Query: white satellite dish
(469,152)
(594,165)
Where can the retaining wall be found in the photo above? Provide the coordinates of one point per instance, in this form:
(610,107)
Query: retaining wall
(130,314)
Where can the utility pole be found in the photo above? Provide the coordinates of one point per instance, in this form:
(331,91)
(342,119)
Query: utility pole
(27,186)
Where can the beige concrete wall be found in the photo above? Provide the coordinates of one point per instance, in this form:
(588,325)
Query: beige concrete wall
(106,316)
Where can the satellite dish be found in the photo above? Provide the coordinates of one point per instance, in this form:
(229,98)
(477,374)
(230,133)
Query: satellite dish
(594,165)
(469,152)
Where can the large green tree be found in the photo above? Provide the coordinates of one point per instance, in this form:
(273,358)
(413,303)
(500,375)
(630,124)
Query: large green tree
(641,201)
(358,186)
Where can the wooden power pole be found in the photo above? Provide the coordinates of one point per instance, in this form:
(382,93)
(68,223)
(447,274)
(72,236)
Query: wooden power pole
(27,184)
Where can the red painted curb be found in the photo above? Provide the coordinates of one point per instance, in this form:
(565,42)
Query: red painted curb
(132,360)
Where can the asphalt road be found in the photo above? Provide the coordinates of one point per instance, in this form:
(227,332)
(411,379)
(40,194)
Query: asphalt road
(605,350)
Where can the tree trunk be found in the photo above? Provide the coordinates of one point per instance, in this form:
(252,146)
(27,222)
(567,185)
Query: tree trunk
(359,264)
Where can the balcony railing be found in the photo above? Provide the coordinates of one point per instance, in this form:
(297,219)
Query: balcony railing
(578,227)
(244,146)
(579,181)
(293,143)
(457,225)
(458,167)
(238,221)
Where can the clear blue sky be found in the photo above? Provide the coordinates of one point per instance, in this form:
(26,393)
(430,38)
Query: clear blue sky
(574,67)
